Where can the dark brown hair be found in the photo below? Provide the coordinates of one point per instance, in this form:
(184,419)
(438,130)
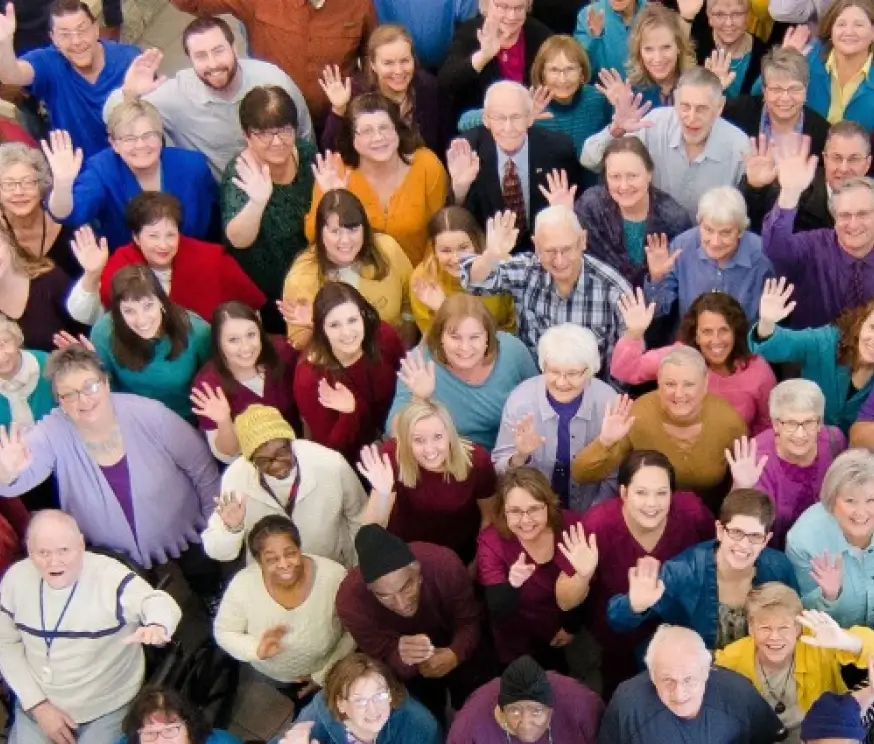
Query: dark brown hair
(370,103)
(729,308)
(150,207)
(849,324)
(267,107)
(349,670)
(748,502)
(455,309)
(451,219)
(830,17)
(169,705)
(330,296)
(201,25)
(630,144)
(639,459)
(535,483)
(131,350)
(272,524)
(268,358)
(350,213)
(61,8)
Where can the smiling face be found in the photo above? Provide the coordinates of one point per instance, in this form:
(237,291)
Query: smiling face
(681,390)
(775,634)
(527,518)
(19,190)
(159,243)
(272,146)
(281,561)
(76,36)
(83,395)
(240,344)
(275,459)
(342,244)
(465,344)
(647,498)
(845,157)
(659,53)
(138,144)
(796,433)
(527,720)
(784,96)
(698,108)
(448,247)
(728,19)
(344,329)
(394,66)
(714,338)
(376,137)
(213,58)
(169,729)
(367,706)
(853,32)
(741,541)
(565,382)
(719,240)
(429,441)
(628,180)
(399,591)
(560,249)
(854,220)
(510,14)
(10,355)
(854,513)
(507,115)
(143,316)
(562,76)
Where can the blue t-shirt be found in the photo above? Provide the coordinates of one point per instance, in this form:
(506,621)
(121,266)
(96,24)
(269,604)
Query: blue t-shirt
(73,103)
(562,470)
(431,24)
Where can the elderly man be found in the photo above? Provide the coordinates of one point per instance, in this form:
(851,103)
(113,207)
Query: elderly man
(503,164)
(74,76)
(71,632)
(199,106)
(720,255)
(847,154)
(680,698)
(832,270)
(557,283)
(693,149)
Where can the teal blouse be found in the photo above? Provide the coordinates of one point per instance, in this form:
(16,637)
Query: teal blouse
(41,400)
(635,232)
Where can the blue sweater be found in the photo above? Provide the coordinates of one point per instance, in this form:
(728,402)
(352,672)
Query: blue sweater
(610,49)
(819,93)
(41,400)
(105,186)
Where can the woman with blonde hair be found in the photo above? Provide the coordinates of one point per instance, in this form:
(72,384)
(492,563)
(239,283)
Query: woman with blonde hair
(452,232)
(428,484)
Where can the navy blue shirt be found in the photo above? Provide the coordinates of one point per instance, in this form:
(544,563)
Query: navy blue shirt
(562,469)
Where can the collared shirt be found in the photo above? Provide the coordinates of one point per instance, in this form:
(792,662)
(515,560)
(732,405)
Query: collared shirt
(520,158)
(720,164)
(539,306)
(841,95)
(766,128)
(742,276)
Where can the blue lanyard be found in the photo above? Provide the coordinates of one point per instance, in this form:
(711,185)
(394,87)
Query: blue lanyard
(50,638)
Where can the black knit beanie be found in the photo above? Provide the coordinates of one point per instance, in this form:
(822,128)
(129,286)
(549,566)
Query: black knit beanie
(380,552)
(525,679)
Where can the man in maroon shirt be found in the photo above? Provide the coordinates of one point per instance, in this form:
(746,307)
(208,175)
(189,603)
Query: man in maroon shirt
(412,607)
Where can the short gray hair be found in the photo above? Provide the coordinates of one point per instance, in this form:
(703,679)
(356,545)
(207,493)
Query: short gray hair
(724,205)
(126,114)
(700,77)
(72,358)
(851,184)
(508,85)
(10,327)
(557,215)
(17,153)
(850,469)
(569,344)
(796,396)
(684,356)
(788,62)
(673,638)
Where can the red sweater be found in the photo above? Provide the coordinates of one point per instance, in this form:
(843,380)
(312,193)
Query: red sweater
(203,277)
(11,131)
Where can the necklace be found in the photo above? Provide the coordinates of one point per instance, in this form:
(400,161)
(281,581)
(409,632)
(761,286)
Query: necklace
(109,444)
(780,707)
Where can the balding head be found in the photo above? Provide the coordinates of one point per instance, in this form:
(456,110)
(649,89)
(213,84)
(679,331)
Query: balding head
(507,114)
(678,664)
(56,546)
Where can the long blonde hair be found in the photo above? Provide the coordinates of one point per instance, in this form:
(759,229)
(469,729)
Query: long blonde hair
(655,15)
(459,461)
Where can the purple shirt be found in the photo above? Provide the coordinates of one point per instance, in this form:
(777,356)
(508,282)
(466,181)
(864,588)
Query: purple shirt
(118,478)
(818,267)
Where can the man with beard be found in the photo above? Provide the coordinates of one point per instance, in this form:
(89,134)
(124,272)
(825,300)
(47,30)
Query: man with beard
(74,76)
(199,106)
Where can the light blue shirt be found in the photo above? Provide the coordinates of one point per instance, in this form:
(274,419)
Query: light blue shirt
(431,23)
(520,158)
(815,533)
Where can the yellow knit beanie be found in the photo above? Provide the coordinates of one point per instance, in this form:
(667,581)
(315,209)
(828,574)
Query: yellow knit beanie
(258,425)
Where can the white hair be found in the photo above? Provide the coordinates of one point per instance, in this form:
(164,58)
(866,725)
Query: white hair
(557,216)
(684,356)
(508,86)
(570,345)
(53,518)
(850,184)
(796,396)
(850,469)
(673,639)
(724,205)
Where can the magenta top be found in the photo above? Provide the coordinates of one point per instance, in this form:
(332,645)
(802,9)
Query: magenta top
(747,390)
(511,62)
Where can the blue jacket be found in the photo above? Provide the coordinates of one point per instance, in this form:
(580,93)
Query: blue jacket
(819,92)
(41,400)
(610,49)
(105,186)
(410,723)
(691,596)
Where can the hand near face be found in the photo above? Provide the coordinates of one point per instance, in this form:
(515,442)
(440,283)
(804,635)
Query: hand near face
(415,649)
(637,313)
(91,254)
(659,260)
(15,456)
(231,508)
(211,403)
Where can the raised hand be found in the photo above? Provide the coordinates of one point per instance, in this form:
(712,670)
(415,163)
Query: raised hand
(253,179)
(489,38)
(826,633)
(628,112)
(8,24)
(617,421)
(526,439)
(15,456)
(299,734)
(65,161)
(326,170)
(501,235)
(297,312)
(271,644)
(797,38)
(91,254)
(540,99)
(149,635)
(774,305)
(796,167)
(521,571)
(557,191)
(761,168)
(581,553)
(636,312)
(746,468)
(462,163)
(418,375)
(594,22)
(659,260)
(828,574)
(55,723)
(377,469)
(612,86)
(231,508)
(645,588)
(63,339)
(337,398)
(337,88)
(689,8)
(416,649)
(142,76)
(429,293)
(719,63)
(211,403)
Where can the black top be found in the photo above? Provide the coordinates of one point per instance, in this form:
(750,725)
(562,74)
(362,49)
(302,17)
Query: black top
(559,15)
(702,35)
(745,112)
(812,213)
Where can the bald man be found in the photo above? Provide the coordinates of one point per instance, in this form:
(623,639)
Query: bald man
(71,632)
(681,699)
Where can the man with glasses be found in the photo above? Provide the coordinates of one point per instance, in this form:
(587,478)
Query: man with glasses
(74,76)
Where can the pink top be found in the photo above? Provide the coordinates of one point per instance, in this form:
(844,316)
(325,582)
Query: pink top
(747,390)
(511,61)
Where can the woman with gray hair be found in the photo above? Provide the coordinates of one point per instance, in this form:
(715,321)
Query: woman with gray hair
(831,546)
(548,418)
(789,460)
(135,161)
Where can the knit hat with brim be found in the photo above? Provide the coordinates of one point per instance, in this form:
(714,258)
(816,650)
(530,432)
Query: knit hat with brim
(258,425)
(833,717)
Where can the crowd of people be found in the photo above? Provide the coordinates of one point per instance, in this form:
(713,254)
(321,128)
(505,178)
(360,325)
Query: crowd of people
(490,371)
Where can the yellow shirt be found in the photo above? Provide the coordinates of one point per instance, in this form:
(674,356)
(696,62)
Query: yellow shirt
(841,95)
(421,194)
(390,296)
(759,21)
(500,306)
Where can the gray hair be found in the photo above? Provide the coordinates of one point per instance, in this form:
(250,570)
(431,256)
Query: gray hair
(17,153)
(850,184)
(850,469)
(10,327)
(787,62)
(796,396)
(699,77)
(45,517)
(126,114)
(569,344)
(73,358)
(507,86)
(673,638)
(557,215)
(724,205)
(849,129)
(684,356)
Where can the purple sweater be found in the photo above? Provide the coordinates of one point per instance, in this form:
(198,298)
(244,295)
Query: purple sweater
(174,480)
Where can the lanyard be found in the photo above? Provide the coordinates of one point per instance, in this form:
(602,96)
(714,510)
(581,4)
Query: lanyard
(53,634)
(292,494)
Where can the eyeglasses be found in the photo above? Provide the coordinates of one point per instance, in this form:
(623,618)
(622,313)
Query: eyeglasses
(89,390)
(845,218)
(808,426)
(147,138)
(517,712)
(736,535)
(720,17)
(266,136)
(262,462)
(503,119)
(168,732)
(80,32)
(378,699)
(852,160)
(516,515)
(563,72)
(508,9)
(24,184)
(383,130)
(778,91)
(573,376)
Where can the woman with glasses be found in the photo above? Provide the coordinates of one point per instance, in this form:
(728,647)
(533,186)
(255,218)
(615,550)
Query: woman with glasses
(135,161)
(266,193)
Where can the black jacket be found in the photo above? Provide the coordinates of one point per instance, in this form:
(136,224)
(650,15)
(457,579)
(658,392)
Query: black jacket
(745,112)
(813,211)
(559,15)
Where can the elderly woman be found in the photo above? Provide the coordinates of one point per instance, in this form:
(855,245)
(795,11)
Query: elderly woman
(550,417)
(468,366)
(428,484)
(348,249)
(838,357)
(715,325)
(25,179)
(831,546)
(363,701)
(692,427)
(135,476)
(280,474)
(621,213)
(720,254)
(789,461)
(25,393)
(278,613)
(196,275)
(603,29)
(136,161)
(266,193)
(400,183)
(793,656)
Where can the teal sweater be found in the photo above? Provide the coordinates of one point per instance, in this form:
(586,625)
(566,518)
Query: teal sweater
(162,379)
(41,400)
(815,349)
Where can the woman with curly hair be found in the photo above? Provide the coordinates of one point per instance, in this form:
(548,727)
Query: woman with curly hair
(716,325)
(162,715)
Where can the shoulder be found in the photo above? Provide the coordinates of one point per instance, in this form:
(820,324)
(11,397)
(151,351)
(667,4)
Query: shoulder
(735,653)
(258,72)
(690,238)
(606,272)
(601,392)
(181,158)
(327,570)
(812,529)
(315,454)
(120,53)
(695,557)
(390,248)
(426,160)
(774,562)
(511,348)
(730,136)
(437,557)
(525,392)
(198,324)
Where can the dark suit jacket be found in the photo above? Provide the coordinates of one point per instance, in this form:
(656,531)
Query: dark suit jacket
(745,112)
(546,150)
(813,211)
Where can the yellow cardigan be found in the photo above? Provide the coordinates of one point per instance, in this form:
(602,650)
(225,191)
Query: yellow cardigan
(817,670)
(390,296)
(421,194)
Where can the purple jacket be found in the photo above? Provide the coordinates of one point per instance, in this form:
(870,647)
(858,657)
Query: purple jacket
(174,480)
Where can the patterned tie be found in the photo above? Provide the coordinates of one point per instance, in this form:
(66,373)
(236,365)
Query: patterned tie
(513,197)
(856,289)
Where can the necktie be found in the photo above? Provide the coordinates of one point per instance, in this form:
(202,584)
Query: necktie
(514,200)
(856,289)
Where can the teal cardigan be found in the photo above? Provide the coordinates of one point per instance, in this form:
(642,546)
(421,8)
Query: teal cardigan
(610,49)
(816,350)
(41,400)
(167,381)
